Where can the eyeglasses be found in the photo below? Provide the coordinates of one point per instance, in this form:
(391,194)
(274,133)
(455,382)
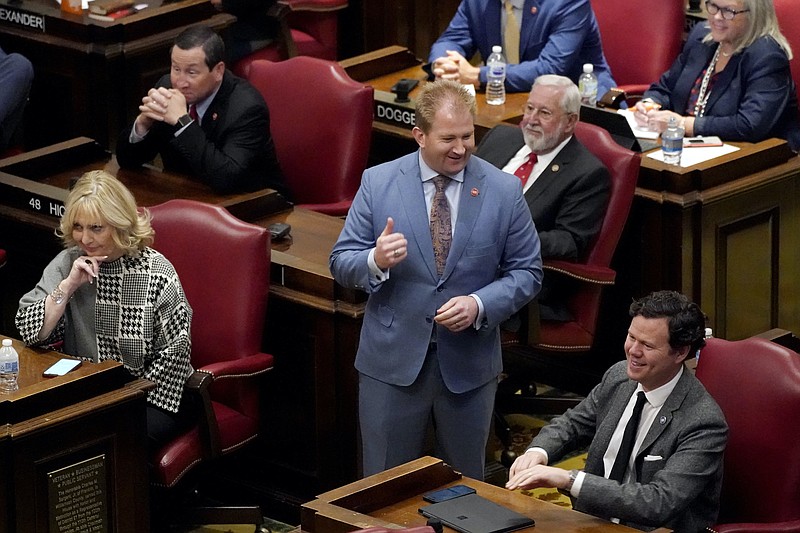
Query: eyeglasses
(727,13)
(544,114)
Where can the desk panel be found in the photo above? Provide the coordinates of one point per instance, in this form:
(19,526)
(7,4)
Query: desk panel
(49,426)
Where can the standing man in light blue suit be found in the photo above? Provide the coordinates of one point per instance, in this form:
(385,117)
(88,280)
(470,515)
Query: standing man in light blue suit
(556,37)
(430,342)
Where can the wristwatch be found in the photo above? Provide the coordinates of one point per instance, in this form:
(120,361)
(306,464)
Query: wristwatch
(573,475)
(58,295)
(184,121)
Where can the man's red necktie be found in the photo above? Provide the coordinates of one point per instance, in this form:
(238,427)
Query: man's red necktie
(193,113)
(524,170)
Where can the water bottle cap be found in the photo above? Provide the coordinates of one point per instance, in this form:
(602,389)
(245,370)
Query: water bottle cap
(588,67)
(497,49)
(6,342)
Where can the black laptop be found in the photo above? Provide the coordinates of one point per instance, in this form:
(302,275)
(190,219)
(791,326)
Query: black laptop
(474,514)
(617,125)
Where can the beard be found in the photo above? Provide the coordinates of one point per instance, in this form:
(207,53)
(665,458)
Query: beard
(540,142)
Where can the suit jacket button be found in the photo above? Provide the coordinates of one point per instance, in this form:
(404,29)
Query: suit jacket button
(439,289)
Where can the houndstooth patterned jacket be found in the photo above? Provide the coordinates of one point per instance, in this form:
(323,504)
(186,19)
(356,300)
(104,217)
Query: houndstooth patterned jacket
(136,313)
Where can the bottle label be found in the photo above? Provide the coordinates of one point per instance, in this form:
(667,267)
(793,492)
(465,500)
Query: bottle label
(9,367)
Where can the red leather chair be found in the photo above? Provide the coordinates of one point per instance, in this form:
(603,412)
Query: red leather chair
(223,264)
(640,39)
(308,28)
(323,156)
(756,382)
(560,354)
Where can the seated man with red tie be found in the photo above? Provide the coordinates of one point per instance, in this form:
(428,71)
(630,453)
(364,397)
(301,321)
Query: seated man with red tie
(657,437)
(204,121)
(565,185)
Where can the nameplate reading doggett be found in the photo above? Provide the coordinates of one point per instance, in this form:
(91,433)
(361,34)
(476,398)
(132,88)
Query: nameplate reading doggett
(390,112)
(78,500)
(20,17)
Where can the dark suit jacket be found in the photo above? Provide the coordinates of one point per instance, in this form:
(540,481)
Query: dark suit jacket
(231,151)
(494,254)
(678,467)
(556,37)
(567,201)
(753,99)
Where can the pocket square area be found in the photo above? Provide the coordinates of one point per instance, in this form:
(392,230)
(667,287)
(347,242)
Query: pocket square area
(653,458)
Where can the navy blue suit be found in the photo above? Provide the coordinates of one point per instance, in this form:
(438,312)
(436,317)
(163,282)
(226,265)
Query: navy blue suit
(494,255)
(752,99)
(556,37)
(16,76)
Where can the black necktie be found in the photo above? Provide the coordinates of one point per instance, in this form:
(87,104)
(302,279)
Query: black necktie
(628,438)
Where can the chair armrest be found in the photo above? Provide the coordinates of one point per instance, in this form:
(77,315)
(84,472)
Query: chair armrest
(198,386)
(251,365)
(791,526)
(588,273)
(280,12)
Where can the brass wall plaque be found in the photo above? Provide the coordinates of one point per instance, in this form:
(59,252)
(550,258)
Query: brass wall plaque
(78,500)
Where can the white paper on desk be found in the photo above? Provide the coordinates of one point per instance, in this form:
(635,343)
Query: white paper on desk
(697,154)
(84,3)
(637,131)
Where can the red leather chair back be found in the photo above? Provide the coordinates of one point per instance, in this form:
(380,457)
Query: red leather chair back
(312,26)
(641,39)
(584,303)
(757,384)
(223,265)
(321,122)
(788,13)
(623,166)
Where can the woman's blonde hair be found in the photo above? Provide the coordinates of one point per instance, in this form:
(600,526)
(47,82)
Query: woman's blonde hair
(101,197)
(763,22)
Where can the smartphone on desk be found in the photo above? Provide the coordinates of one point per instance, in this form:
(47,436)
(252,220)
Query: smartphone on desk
(447,494)
(61,367)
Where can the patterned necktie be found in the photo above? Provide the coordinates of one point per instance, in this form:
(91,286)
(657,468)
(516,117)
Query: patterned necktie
(441,231)
(524,170)
(511,35)
(628,438)
(193,113)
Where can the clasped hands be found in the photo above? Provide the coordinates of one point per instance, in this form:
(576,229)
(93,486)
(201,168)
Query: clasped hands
(160,105)
(530,471)
(455,67)
(391,248)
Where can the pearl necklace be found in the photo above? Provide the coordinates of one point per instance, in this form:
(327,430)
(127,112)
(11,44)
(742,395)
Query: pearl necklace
(705,92)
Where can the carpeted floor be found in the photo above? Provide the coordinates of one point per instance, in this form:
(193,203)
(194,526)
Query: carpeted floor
(523,429)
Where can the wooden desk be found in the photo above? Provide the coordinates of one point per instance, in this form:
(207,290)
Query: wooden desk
(392,498)
(722,232)
(91,75)
(73,448)
(312,326)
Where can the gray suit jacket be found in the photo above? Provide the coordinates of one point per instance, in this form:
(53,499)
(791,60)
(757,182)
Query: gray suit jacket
(494,254)
(681,489)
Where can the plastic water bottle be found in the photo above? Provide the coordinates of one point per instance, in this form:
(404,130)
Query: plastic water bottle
(587,85)
(496,77)
(9,367)
(672,142)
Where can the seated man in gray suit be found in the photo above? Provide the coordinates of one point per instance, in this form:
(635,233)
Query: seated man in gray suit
(657,436)
(566,186)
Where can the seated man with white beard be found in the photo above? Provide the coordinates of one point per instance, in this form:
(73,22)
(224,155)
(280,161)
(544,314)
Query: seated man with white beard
(565,185)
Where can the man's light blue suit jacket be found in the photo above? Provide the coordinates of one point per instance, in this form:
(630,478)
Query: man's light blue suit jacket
(556,37)
(494,254)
